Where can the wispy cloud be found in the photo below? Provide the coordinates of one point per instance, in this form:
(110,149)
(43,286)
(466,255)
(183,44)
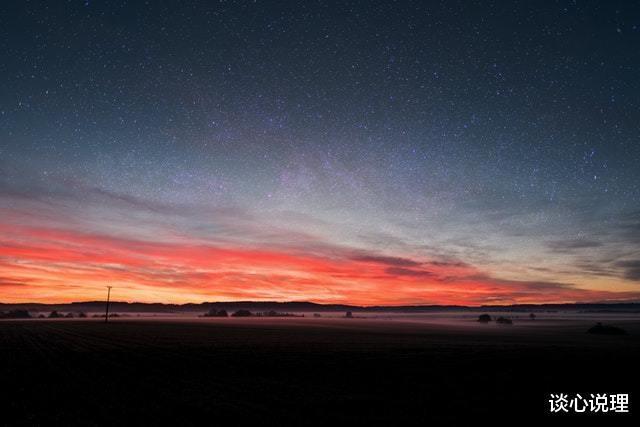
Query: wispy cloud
(65,241)
(46,258)
(631,269)
(572,245)
(387,260)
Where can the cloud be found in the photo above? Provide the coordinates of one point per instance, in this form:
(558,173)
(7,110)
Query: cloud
(387,260)
(535,285)
(597,268)
(399,271)
(180,252)
(128,201)
(10,283)
(572,245)
(68,265)
(631,269)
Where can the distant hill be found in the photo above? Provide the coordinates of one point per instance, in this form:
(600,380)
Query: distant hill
(305,306)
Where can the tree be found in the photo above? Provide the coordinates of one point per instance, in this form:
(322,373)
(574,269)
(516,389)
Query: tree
(484,318)
(15,314)
(241,313)
(216,313)
(601,329)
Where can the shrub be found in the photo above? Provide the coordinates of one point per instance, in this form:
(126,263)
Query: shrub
(601,329)
(484,318)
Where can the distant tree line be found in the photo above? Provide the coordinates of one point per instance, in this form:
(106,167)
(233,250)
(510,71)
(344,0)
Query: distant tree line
(15,314)
(216,313)
(246,313)
(24,314)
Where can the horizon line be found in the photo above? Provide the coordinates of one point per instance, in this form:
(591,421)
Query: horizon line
(328,304)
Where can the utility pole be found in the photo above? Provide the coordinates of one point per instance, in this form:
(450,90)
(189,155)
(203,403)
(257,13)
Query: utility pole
(106,315)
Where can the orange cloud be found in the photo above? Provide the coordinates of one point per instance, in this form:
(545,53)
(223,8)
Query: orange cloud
(55,265)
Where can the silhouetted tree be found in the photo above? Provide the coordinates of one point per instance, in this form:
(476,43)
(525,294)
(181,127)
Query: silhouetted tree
(241,313)
(484,318)
(69,316)
(15,314)
(504,321)
(216,313)
(82,314)
(532,316)
(348,315)
(601,329)
(54,315)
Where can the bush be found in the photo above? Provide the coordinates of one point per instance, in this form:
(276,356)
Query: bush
(504,321)
(601,329)
(484,318)
(54,315)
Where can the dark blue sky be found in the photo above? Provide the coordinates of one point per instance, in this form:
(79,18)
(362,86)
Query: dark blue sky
(504,136)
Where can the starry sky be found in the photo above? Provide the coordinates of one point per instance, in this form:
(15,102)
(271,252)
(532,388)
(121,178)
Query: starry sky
(364,152)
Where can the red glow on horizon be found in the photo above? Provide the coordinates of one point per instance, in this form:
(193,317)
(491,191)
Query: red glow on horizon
(42,264)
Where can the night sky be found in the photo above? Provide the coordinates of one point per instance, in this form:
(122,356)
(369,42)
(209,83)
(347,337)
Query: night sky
(374,152)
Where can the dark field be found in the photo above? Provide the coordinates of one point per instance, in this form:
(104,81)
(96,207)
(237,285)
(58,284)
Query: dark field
(297,371)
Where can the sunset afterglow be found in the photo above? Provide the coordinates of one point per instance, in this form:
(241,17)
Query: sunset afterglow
(382,161)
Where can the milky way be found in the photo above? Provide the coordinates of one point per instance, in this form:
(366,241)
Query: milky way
(364,152)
